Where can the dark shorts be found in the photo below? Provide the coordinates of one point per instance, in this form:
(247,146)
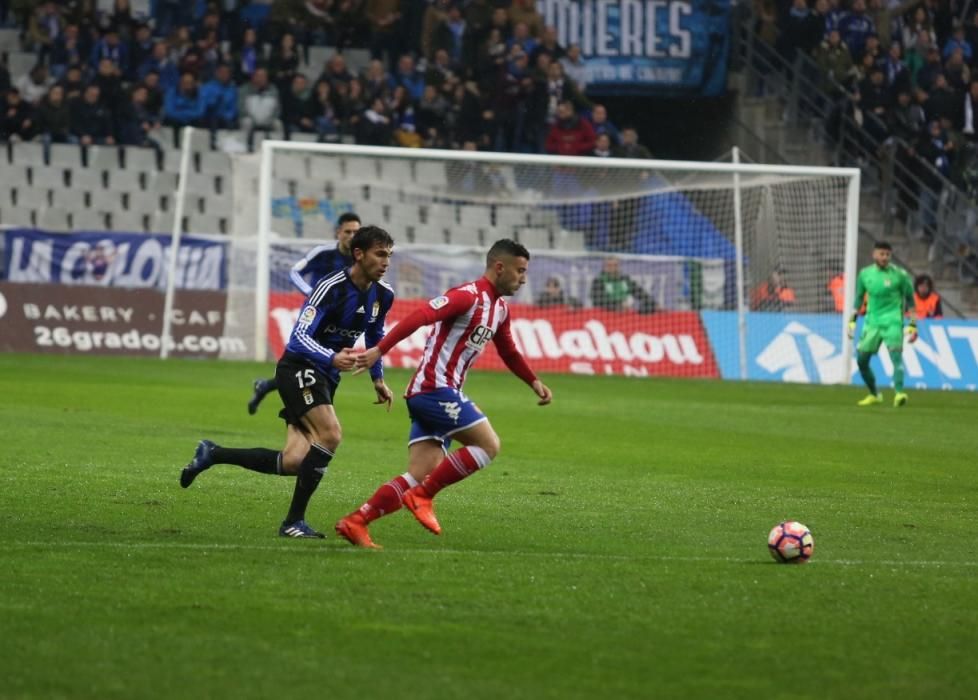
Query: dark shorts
(301,387)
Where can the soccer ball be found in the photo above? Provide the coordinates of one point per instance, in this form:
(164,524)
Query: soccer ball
(790,543)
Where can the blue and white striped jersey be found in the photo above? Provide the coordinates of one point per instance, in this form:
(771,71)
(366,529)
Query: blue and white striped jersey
(318,263)
(335,314)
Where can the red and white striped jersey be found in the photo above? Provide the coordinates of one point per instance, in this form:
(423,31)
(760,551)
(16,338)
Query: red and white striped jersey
(465,319)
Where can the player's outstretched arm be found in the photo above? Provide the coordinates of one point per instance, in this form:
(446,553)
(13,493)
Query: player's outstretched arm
(384,394)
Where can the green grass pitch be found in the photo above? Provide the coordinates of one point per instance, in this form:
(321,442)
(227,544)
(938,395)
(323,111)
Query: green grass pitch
(615,549)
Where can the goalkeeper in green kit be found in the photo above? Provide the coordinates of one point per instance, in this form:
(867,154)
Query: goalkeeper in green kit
(889,293)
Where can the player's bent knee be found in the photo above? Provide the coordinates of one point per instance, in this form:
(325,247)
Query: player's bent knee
(291,462)
(492,447)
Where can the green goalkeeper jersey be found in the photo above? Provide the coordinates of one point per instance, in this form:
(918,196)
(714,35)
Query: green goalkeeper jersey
(890,293)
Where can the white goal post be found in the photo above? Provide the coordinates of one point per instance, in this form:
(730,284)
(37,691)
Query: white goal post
(700,239)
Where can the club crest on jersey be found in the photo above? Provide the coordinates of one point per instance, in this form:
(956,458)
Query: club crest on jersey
(886,282)
(308,315)
(375,311)
(438,302)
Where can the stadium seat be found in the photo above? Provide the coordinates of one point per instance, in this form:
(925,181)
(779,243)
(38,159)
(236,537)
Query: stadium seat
(128,221)
(71,198)
(427,234)
(32,197)
(65,155)
(54,219)
(9,40)
(509,218)
(141,159)
(304,137)
(318,55)
(467,235)
(25,153)
(45,178)
(363,170)
(534,238)
(162,182)
(443,216)
(16,216)
(204,223)
(569,241)
(20,63)
(396,172)
(290,166)
(356,59)
(103,157)
(87,179)
(142,202)
(17,173)
(88,220)
(215,163)
(373,214)
(431,174)
(475,216)
(161,222)
(544,218)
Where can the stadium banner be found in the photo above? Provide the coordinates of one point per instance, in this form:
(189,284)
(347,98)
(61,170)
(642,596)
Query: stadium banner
(580,341)
(651,47)
(421,272)
(806,348)
(112,259)
(47,318)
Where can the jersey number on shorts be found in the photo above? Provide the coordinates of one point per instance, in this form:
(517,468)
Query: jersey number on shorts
(306,378)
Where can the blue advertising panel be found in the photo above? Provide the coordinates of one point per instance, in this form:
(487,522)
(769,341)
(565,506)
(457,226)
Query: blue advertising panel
(111,259)
(806,348)
(646,46)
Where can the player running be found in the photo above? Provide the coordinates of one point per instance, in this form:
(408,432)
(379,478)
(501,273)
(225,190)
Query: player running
(319,262)
(465,319)
(340,308)
(889,294)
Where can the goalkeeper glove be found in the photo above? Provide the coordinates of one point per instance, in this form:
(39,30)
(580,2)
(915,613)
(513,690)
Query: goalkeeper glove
(911,331)
(852,327)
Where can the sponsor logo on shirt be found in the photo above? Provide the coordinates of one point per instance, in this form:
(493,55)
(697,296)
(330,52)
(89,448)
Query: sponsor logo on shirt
(308,315)
(438,302)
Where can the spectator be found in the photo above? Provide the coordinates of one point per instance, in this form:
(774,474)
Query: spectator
(431,123)
(163,64)
(403,118)
(155,95)
(602,146)
(905,120)
(855,27)
(351,104)
(67,52)
(934,149)
(773,294)
(834,62)
(140,50)
(915,57)
(321,113)
(570,135)
(376,81)
(384,18)
(525,12)
(599,120)
(926,300)
(897,75)
(553,295)
(630,147)
(44,28)
(927,75)
(284,63)
(548,45)
(111,47)
(247,57)
(54,119)
(957,41)
(259,105)
(375,128)
(574,66)
(220,101)
(802,29)
(968,116)
(17,123)
(919,30)
(34,85)
(435,14)
(522,38)
(109,82)
(183,105)
(942,102)
(407,76)
(956,71)
(91,121)
(336,71)
(295,106)
(442,72)
(136,122)
(73,83)
(614,291)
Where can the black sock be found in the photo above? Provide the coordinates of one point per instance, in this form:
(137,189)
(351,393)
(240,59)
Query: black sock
(257,459)
(311,472)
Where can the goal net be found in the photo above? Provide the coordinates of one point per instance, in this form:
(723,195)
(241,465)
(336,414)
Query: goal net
(638,267)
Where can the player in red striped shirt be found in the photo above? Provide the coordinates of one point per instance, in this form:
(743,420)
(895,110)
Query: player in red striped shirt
(465,319)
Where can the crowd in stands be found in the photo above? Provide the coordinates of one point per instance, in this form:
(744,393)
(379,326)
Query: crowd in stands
(905,72)
(444,74)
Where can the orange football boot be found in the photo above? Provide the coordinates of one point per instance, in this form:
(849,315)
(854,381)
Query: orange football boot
(418,502)
(353,529)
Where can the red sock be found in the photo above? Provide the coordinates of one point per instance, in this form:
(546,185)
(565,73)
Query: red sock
(388,498)
(461,463)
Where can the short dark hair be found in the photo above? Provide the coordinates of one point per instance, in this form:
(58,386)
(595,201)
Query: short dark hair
(370,236)
(921,279)
(506,246)
(882,245)
(347,218)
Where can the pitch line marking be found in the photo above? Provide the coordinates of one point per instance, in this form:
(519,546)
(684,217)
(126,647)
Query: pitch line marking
(481,552)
